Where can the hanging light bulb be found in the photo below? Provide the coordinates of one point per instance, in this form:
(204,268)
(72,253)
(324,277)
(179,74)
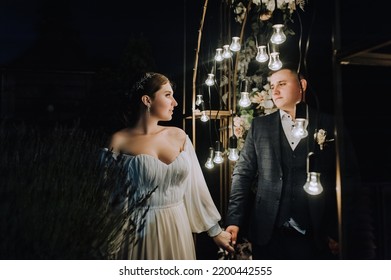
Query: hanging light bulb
(278,36)
(244,100)
(262,55)
(204,116)
(199,99)
(275,62)
(210,81)
(226,52)
(218,158)
(209,162)
(235,45)
(219,54)
(233,153)
(313,185)
(299,129)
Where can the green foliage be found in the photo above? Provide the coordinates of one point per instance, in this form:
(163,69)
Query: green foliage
(61,197)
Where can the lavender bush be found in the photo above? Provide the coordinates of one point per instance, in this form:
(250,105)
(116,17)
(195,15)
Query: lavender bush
(60,196)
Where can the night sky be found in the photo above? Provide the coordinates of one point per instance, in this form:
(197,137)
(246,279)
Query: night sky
(101,28)
(104,28)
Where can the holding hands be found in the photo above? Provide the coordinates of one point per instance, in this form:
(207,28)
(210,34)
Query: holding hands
(233,230)
(223,240)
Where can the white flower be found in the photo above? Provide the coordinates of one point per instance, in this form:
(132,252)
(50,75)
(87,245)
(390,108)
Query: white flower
(257,97)
(242,124)
(237,121)
(263,98)
(238,131)
(240,11)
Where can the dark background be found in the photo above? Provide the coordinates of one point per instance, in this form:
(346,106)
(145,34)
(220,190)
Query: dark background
(71,61)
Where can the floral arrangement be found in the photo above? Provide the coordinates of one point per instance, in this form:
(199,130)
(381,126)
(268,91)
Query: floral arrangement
(266,7)
(261,30)
(261,104)
(62,198)
(250,69)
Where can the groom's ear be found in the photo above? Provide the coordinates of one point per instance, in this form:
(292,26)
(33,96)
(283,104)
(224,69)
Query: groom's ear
(303,84)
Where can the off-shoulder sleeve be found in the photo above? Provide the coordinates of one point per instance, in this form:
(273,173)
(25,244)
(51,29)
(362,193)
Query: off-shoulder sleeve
(202,211)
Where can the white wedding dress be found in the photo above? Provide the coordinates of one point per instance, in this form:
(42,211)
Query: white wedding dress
(180,205)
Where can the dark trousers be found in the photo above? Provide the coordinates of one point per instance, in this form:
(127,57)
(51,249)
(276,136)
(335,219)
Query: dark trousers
(289,244)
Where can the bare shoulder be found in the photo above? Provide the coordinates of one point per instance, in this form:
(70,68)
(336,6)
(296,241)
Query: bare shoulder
(176,134)
(118,139)
(176,131)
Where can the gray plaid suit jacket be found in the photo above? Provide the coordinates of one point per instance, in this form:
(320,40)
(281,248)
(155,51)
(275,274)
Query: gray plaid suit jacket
(257,180)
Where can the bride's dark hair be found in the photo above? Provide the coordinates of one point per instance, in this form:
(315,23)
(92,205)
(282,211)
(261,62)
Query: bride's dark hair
(147,84)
